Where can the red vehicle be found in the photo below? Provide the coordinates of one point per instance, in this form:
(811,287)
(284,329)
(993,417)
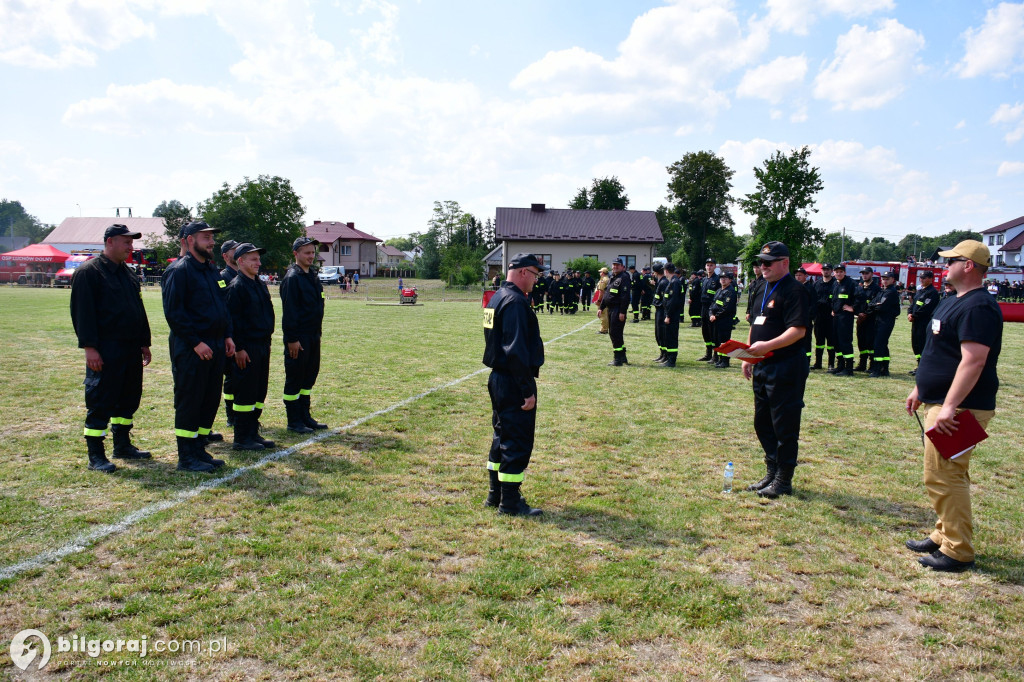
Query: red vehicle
(407,295)
(63,276)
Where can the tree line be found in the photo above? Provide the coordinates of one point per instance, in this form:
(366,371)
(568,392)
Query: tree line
(15,221)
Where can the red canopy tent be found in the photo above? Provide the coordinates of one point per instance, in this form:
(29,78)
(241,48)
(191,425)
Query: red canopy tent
(812,269)
(36,253)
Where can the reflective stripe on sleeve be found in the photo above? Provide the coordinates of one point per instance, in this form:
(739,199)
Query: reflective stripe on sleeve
(95,433)
(511,478)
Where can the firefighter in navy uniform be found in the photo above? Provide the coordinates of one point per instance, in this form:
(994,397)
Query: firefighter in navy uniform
(867,288)
(694,283)
(587,285)
(196,311)
(808,284)
(647,284)
(252,318)
(722,314)
(539,290)
(514,351)
(555,293)
(302,301)
(659,299)
(842,322)
(920,316)
(754,288)
(571,298)
(635,290)
(113,329)
(616,302)
(885,308)
(672,308)
(230,271)
(708,288)
(824,332)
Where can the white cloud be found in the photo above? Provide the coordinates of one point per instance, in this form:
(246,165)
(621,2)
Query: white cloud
(870,67)
(796,16)
(961,125)
(996,47)
(1012,116)
(380,40)
(774,80)
(1010,168)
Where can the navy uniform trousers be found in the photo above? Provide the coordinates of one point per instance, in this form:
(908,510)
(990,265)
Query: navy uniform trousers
(778,401)
(513,426)
(114,393)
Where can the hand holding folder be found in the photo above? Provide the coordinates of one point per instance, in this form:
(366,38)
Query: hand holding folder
(738,349)
(968,434)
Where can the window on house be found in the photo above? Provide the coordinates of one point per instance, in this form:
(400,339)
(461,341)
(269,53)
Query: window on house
(545,260)
(628,260)
(590,255)
(346,250)
(991,240)
(999,239)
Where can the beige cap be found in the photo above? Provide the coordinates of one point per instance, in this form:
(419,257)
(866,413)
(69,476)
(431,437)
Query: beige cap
(970,249)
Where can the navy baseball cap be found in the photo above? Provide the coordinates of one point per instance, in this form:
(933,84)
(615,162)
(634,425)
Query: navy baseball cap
(228,245)
(117,230)
(801,269)
(773,251)
(524,260)
(726,273)
(195,227)
(659,267)
(617,261)
(246,247)
(891,274)
(926,273)
(864,271)
(826,266)
(303,241)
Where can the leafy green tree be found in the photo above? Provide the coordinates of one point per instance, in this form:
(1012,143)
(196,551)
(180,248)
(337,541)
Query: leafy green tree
(698,188)
(401,243)
(880,249)
(832,250)
(591,265)
(782,204)
(265,211)
(15,221)
(175,215)
(671,231)
(606,194)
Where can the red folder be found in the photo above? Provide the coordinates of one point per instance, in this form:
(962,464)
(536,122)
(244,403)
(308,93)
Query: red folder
(738,350)
(969,434)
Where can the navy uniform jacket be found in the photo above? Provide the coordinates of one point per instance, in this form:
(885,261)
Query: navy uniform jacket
(674,299)
(661,291)
(755,287)
(923,307)
(540,287)
(842,294)
(106,304)
(616,296)
(822,301)
(724,305)
(302,297)
(886,304)
(228,274)
(194,302)
(252,312)
(864,294)
(636,283)
(709,286)
(512,342)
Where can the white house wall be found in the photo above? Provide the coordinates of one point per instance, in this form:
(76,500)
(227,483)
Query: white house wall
(563,252)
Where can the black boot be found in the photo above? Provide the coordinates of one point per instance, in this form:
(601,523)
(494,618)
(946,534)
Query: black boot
(845,368)
(212,437)
(831,358)
(707,355)
(660,358)
(670,360)
(862,366)
(245,429)
(512,502)
(200,453)
(723,363)
(306,418)
(876,369)
(782,485)
(187,456)
(818,352)
(229,412)
(618,359)
(768,477)
(625,360)
(256,433)
(123,448)
(885,368)
(295,421)
(494,492)
(97,457)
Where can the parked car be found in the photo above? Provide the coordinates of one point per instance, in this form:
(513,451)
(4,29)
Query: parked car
(331,274)
(63,276)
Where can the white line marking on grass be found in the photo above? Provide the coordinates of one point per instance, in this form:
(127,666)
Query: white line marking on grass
(85,540)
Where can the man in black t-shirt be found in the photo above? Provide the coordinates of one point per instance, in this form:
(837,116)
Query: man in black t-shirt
(781,319)
(957,373)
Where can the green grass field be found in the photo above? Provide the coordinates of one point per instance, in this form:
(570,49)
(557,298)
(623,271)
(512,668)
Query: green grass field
(369,555)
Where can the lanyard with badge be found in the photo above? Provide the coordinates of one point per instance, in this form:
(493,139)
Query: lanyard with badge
(761,319)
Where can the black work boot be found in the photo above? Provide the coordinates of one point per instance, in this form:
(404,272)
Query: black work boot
(876,369)
(513,504)
(782,485)
(707,355)
(845,368)
(306,418)
(862,366)
(670,360)
(123,448)
(885,368)
(831,359)
(256,434)
(97,457)
(295,421)
(212,437)
(245,429)
(768,477)
(617,359)
(187,459)
(818,352)
(660,358)
(494,492)
(229,412)
(723,363)
(200,453)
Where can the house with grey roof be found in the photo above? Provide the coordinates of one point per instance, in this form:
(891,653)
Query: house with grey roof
(86,234)
(1005,241)
(559,235)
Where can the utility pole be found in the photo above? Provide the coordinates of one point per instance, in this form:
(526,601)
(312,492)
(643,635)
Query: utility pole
(842,247)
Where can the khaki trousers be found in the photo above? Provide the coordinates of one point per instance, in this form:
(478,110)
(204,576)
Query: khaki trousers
(949,488)
(604,320)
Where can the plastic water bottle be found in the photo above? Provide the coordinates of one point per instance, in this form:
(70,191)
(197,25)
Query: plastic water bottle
(727,486)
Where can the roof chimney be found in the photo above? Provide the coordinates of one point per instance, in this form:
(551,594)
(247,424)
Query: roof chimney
(316,222)
(351,225)
(537,208)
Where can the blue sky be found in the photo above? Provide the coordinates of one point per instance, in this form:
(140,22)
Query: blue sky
(375,109)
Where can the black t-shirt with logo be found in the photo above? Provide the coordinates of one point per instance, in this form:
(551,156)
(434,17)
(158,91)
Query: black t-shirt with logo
(783,304)
(976,317)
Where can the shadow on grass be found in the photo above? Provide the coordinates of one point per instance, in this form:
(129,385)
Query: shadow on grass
(1001,566)
(858,510)
(621,530)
